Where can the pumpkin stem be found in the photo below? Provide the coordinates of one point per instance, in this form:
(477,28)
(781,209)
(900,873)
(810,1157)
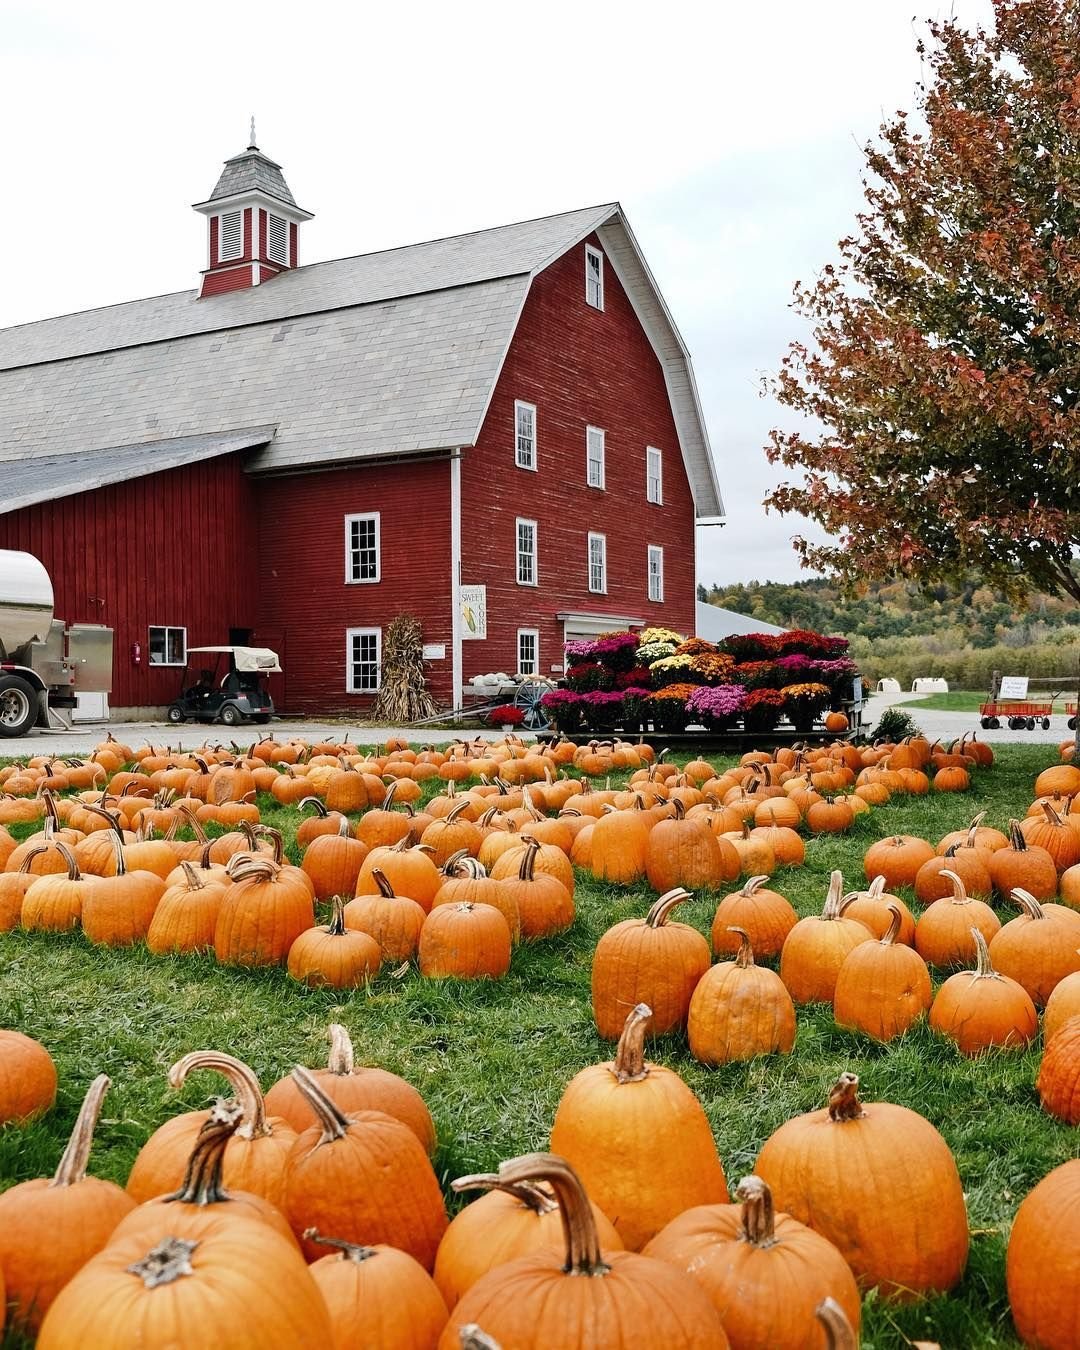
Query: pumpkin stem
(658,914)
(876,887)
(893,931)
(383,882)
(118,849)
(532,848)
(170,1260)
(745,956)
(195,825)
(193,882)
(838,1331)
(973,829)
(275,838)
(318,807)
(202,1180)
(831,909)
(757,1212)
(73,1164)
(583,1256)
(1016,837)
(336,926)
(753,885)
(984,967)
(959,893)
(1024,899)
(335,1123)
(629,1064)
(844,1101)
(350,1251)
(341,1058)
(114,824)
(472,1338)
(242,1080)
(254,868)
(527,1192)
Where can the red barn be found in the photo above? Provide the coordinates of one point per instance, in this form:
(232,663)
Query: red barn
(497,432)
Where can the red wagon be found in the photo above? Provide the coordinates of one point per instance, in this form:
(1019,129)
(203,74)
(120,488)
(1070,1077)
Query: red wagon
(1016,715)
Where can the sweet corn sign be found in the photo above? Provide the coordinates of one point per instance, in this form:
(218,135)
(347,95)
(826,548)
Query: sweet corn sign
(473,612)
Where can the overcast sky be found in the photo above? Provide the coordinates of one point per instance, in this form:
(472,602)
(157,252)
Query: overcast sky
(730,133)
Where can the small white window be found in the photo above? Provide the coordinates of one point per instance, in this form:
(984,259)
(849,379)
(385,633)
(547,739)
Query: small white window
(656,573)
(594,277)
(230,235)
(594,457)
(525,435)
(363,660)
(167,646)
(654,476)
(598,563)
(277,240)
(528,659)
(527,568)
(362,560)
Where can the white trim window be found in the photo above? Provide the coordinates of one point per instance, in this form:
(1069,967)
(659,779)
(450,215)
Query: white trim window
(654,476)
(363,549)
(598,563)
(656,573)
(594,457)
(528,651)
(527,553)
(277,239)
(167,646)
(594,277)
(524,434)
(363,660)
(230,242)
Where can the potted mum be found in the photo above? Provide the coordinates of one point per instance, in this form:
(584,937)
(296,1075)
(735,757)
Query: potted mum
(718,706)
(507,716)
(803,702)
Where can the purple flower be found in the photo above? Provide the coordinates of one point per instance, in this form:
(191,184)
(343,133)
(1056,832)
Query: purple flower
(721,700)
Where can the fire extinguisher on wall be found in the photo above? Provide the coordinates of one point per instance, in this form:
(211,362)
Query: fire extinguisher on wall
(136,653)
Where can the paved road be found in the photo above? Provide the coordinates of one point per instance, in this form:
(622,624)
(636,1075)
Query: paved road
(946,726)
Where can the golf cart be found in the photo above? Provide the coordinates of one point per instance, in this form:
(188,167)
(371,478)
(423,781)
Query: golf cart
(230,691)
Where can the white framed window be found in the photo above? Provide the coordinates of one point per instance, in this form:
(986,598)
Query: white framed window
(230,235)
(656,572)
(528,651)
(527,561)
(167,646)
(594,457)
(598,563)
(654,476)
(525,435)
(277,239)
(362,549)
(363,660)
(594,277)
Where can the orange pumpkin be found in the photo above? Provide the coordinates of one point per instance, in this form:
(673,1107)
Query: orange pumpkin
(897,859)
(1040,1268)
(1040,947)
(334,957)
(883,987)
(943,933)
(465,940)
(333,861)
(1058,1083)
(262,914)
(765,915)
(981,1008)
(740,1010)
(27,1078)
(816,948)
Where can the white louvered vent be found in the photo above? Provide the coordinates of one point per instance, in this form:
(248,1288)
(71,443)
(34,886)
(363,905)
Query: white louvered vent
(278,240)
(231,235)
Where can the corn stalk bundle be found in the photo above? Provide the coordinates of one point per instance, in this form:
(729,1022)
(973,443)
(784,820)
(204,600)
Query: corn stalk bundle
(403,696)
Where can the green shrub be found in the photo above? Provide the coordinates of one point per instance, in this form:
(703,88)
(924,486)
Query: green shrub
(894,725)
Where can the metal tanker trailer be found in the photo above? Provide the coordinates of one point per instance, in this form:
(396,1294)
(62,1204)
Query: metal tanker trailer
(44,665)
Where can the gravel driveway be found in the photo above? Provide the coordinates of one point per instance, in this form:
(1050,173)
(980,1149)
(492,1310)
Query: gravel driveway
(946,726)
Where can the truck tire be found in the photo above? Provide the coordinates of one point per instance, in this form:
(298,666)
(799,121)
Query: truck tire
(18,706)
(231,715)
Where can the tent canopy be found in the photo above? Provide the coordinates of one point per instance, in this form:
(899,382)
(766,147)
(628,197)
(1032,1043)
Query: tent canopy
(249,660)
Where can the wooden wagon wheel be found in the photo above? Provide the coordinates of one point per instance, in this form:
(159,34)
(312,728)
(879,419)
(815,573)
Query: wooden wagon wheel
(527,697)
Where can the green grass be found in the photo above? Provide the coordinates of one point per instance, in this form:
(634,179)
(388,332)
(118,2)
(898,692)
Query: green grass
(492,1059)
(956,700)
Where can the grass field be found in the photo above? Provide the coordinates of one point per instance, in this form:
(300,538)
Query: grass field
(492,1059)
(956,700)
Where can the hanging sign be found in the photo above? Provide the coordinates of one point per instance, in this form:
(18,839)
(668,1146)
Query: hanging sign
(1013,686)
(473,612)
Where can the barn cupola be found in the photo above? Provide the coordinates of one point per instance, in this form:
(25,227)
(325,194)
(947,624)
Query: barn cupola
(252,223)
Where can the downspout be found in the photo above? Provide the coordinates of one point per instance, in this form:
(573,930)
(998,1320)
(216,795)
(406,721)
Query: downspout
(455,574)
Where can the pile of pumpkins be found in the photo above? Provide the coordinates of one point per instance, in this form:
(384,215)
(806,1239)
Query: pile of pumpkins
(312,1217)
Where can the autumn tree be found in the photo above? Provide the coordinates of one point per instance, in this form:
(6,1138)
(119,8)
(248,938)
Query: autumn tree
(943,375)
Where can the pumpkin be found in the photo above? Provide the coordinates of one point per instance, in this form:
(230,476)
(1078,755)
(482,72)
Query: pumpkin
(334,956)
(262,913)
(27,1078)
(836,722)
(1058,1083)
(186,916)
(243,1280)
(1060,780)
(607,1126)
(897,859)
(365,1176)
(619,844)
(467,880)
(943,933)
(872,907)
(451,833)
(511,1219)
(765,915)
(394,921)
(1039,947)
(816,948)
(353,1088)
(544,904)
(1023,864)
(333,861)
(465,940)
(377,1296)
(49,1228)
(683,851)
(118,910)
(581,1295)
(649,961)
(981,1008)
(407,868)
(834,815)
(764,1272)
(880,1183)
(740,1010)
(322,822)
(54,903)
(951,778)
(883,987)
(1050,832)
(1063,1003)
(970,865)
(1040,1267)
(13,888)
(548,859)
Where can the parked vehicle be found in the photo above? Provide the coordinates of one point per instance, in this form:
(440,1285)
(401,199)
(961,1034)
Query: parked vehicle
(230,691)
(44,664)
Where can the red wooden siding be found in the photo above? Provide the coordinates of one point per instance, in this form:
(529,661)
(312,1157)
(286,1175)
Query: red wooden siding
(173,548)
(581,367)
(213,241)
(305,604)
(248,254)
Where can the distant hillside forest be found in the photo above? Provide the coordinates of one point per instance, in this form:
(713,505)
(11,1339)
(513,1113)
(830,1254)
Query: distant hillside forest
(961,632)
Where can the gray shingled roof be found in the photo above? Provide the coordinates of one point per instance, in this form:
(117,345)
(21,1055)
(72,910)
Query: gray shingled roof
(252,171)
(46,478)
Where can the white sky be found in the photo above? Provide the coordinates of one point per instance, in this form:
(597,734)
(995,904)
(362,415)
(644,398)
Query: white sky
(730,133)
